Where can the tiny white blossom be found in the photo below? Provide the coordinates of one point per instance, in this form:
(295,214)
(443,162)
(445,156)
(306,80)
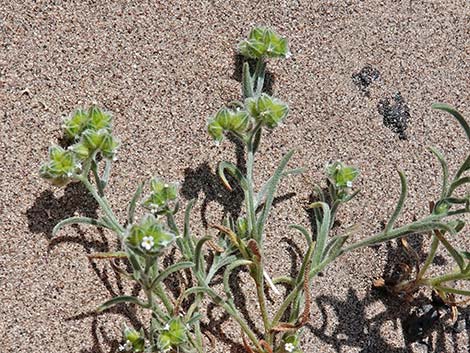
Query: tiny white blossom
(289,347)
(349,184)
(166,185)
(147,243)
(166,327)
(126,346)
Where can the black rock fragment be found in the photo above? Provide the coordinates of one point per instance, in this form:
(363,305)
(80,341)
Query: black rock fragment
(396,114)
(365,77)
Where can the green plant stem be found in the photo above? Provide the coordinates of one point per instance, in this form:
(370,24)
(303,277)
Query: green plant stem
(453,276)
(259,280)
(429,258)
(98,182)
(250,194)
(104,205)
(232,311)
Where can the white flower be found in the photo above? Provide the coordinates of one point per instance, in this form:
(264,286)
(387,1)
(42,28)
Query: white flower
(147,243)
(289,347)
(349,184)
(126,346)
(166,327)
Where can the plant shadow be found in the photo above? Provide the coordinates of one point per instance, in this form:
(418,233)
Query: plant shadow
(203,179)
(423,319)
(43,215)
(48,210)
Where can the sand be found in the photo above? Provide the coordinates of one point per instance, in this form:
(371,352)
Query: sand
(162,68)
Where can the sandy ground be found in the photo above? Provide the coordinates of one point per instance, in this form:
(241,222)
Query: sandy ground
(163,67)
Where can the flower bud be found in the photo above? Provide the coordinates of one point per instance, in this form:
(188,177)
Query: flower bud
(109,146)
(236,121)
(161,193)
(98,119)
(341,175)
(263,42)
(172,335)
(93,139)
(76,123)
(267,110)
(80,150)
(61,166)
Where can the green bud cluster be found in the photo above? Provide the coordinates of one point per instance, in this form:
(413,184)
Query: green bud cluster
(172,335)
(61,167)
(161,194)
(264,43)
(258,111)
(149,237)
(92,132)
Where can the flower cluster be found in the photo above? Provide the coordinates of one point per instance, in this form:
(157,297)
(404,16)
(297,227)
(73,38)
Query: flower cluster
(149,236)
(264,43)
(160,195)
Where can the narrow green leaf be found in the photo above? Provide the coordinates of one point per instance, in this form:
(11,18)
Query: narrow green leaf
(217,265)
(235,172)
(106,173)
(262,193)
(270,191)
(171,269)
(187,227)
(196,317)
(198,253)
(133,203)
(464,167)
(445,170)
(205,290)
(134,262)
(447,108)
(257,138)
(227,273)
(401,202)
(79,220)
(247,81)
(452,251)
(302,230)
(322,232)
(259,75)
(119,300)
(305,263)
(458,183)
(453,290)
